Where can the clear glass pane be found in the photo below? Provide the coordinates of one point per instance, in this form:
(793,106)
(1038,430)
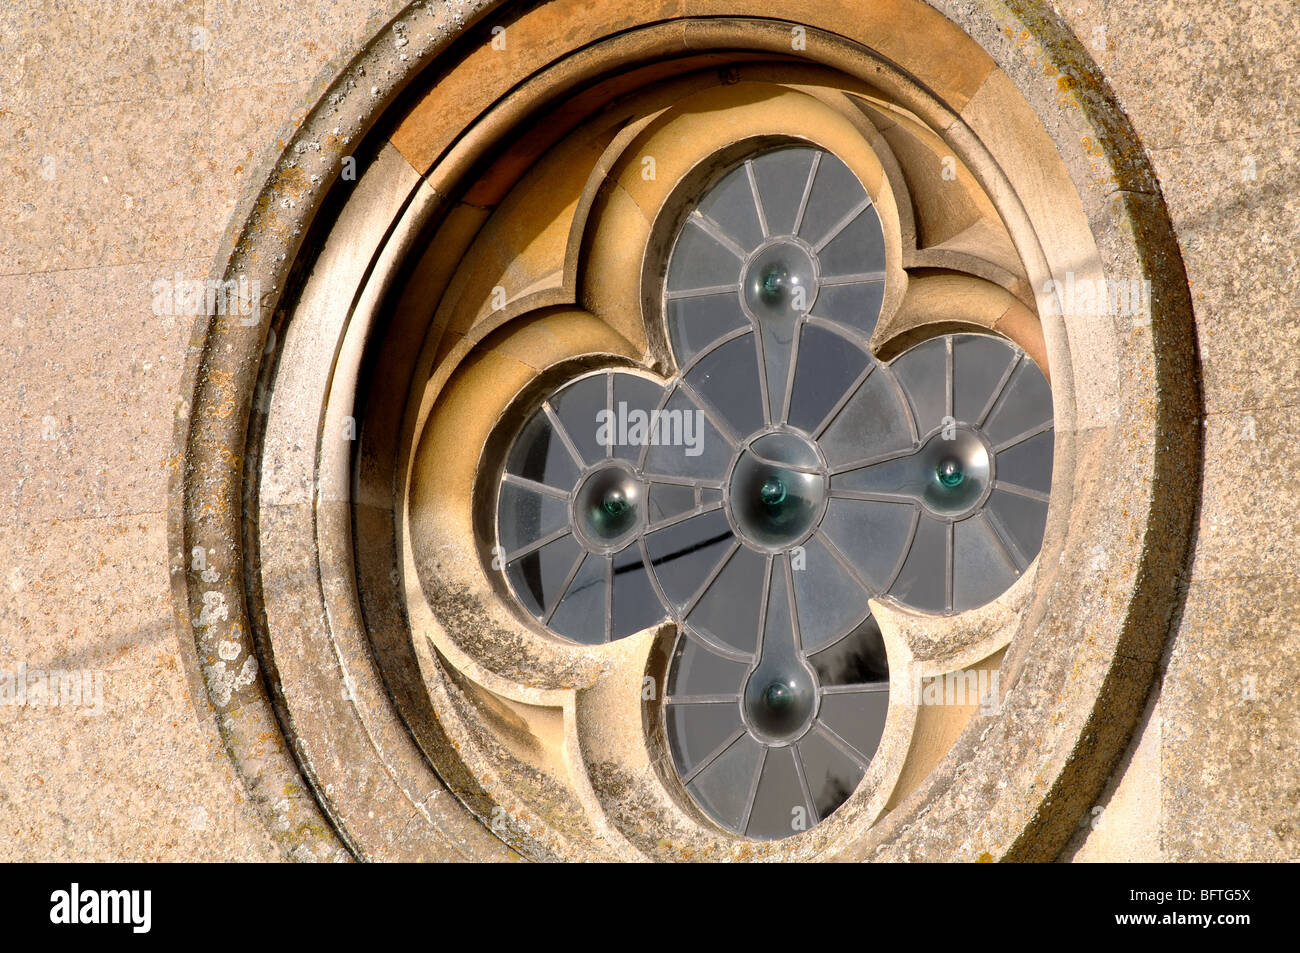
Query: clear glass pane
(855,305)
(857,249)
(540,455)
(1023,519)
(696,322)
(923,581)
(828,600)
(683,442)
(832,775)
(580,616)
(835,193)
(779,644)
(1025,403)
(525,516)
(697,731)
(728,612)
(730,203)
(696,673)
(857,717)
(780,806)
(901,476)
(874,422)
(684,554)
(539,577)
(857,659)
(923,372)
(979,363)
(722,789)
(580,407)
(828,365)
(1029,463)
(633,395)
(777,339)
(782,175)
(668,500)
(699,261)
(871,535)
(636,604)
(982,570)
(728,379)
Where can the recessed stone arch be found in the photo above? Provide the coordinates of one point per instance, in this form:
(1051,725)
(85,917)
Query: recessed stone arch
(340,740)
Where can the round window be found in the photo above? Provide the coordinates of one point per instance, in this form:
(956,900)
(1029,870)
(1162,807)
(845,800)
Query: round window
(780,479)
(664,439)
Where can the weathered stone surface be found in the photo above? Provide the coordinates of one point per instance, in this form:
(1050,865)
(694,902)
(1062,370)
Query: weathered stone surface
(129,132)
(1231,713)
(132,768)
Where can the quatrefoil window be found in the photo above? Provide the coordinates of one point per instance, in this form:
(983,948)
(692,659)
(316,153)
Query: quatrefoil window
(778,481)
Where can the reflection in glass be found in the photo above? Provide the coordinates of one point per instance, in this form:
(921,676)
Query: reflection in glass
(609,506)
(780,282)
(776,490)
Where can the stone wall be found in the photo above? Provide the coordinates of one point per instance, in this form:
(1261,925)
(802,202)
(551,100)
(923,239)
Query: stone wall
(129,130)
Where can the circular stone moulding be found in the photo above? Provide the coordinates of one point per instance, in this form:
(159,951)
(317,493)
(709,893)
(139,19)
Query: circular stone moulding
(560,508)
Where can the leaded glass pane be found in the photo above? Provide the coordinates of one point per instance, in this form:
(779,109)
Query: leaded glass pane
(781,479)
